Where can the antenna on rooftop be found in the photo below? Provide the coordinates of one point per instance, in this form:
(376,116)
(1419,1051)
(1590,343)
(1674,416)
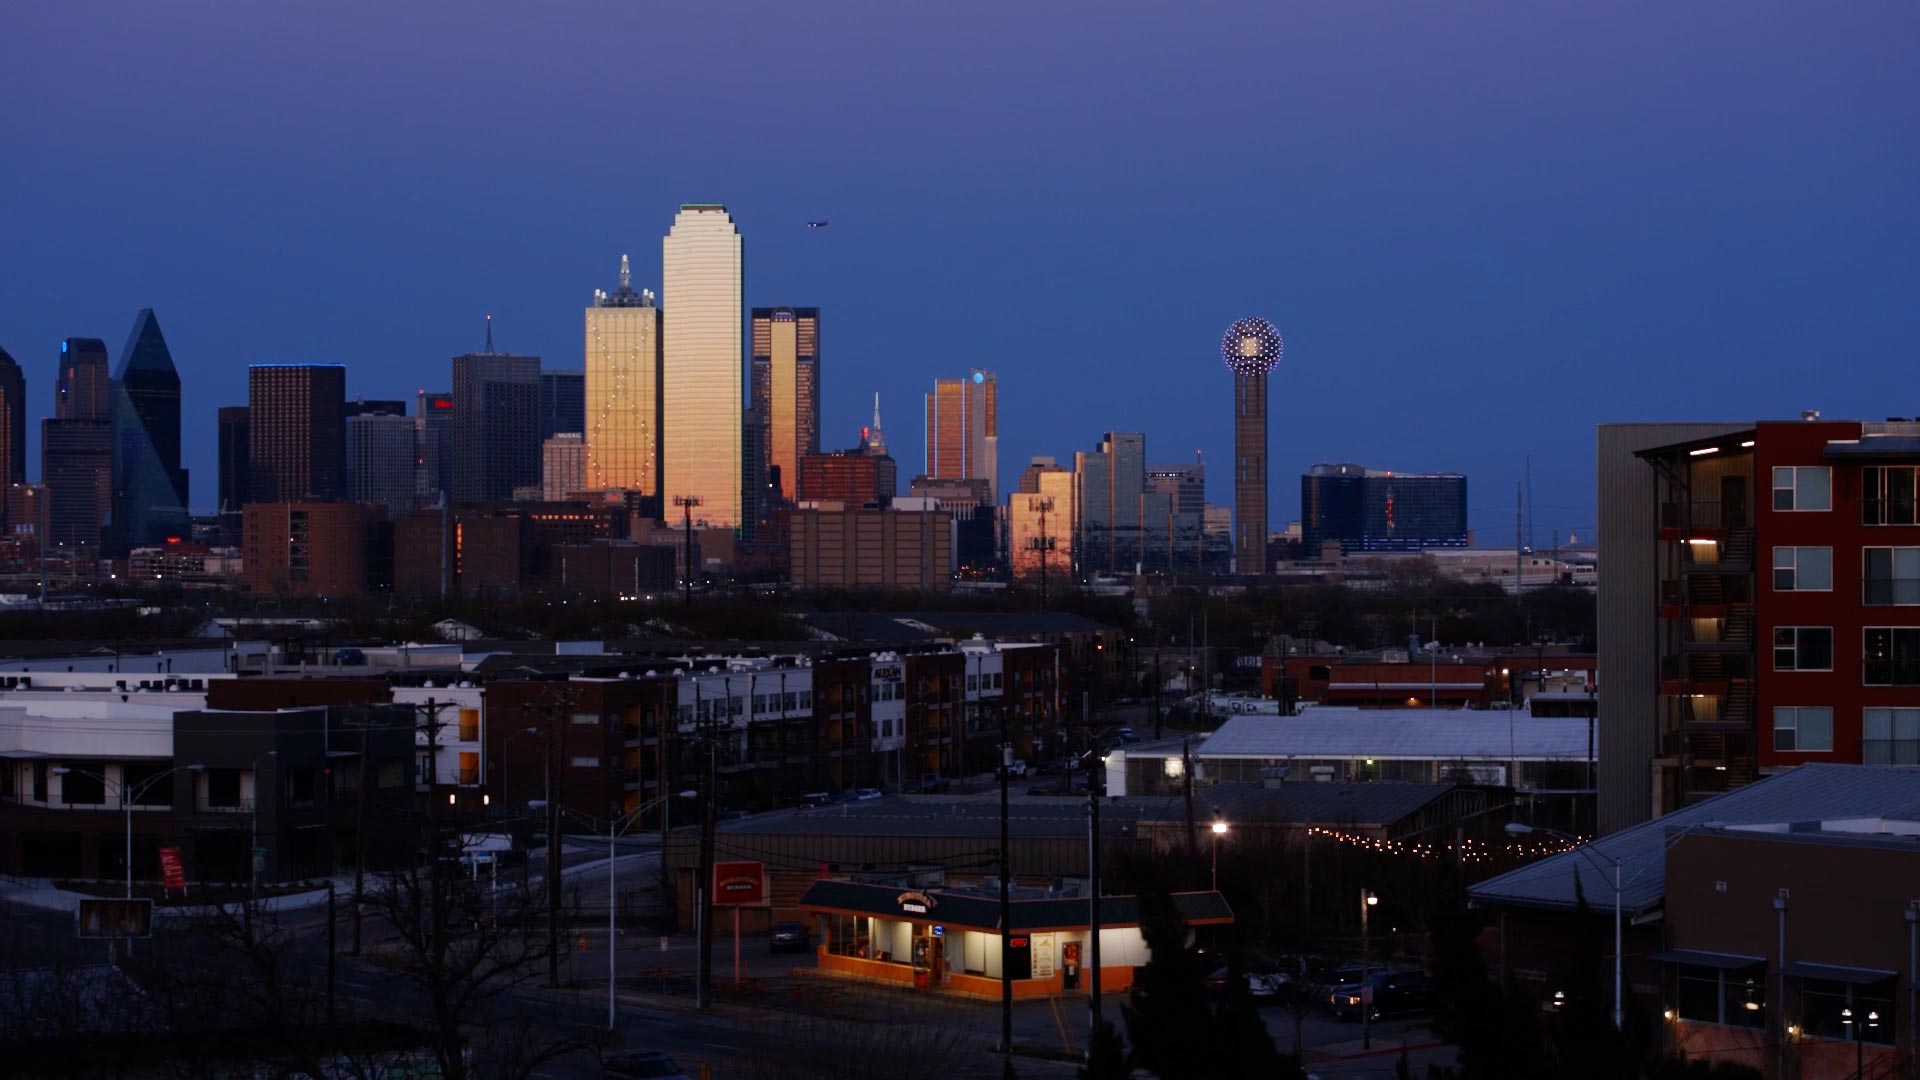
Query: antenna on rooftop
(626,275)
(489,331)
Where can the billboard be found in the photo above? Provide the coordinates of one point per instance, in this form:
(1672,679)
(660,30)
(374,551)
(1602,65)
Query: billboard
(114,919)
(172,875)
(739,884)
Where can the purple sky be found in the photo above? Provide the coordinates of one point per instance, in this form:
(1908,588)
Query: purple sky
(1483,228)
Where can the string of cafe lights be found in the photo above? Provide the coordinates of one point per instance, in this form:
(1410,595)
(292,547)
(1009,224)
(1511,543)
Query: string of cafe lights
(1466,851)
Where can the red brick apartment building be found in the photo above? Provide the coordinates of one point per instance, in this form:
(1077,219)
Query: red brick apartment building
(1786,567)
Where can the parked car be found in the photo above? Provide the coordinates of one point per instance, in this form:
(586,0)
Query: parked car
(928,784)
(1017,770)
(866,793)
(1260,984)
(816,798)
(641,1065)
(1126,736)
(1390,992)
(789,937)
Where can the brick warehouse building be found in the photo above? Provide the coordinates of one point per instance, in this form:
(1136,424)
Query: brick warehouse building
(1787,572)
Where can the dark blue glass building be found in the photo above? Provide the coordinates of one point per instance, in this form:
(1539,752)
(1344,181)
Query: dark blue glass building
(1374,510)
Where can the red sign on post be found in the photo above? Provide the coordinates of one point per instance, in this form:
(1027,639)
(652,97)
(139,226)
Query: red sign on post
(171,874)
(739,884)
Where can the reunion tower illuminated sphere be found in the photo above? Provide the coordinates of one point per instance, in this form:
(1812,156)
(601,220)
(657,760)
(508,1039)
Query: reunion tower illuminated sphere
(1252,347)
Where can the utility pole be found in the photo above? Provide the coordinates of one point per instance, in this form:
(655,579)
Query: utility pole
(1519,526)
(561,703)
(1006,901)
(1186,776)
(703,890)
(687,503)
(333,948)
(360,845)
(1095,783)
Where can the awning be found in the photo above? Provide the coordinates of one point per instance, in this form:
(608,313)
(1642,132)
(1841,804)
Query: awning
(1703,958)
(1857,976)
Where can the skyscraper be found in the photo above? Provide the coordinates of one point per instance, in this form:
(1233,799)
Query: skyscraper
(381,458)
(296,432)
(1251,349)
(563,466)
(1092,511)
(1185,489)
(1126,453)
(13,422)
(496,425)
(786,393)
(233,466)
(76,447)
(433,419)
(701,437)
(963,433)
(376,407)
(1041,525)
(149,486)
(81,390)
(563,402)
(622,388)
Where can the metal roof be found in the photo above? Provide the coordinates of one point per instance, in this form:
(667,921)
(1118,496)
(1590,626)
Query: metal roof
(1028,817)
(1400,735)
(981,912)
(1805,793)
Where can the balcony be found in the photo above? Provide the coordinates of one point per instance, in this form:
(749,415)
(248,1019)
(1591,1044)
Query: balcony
(1712,514)
(1728,554)
(1732,633)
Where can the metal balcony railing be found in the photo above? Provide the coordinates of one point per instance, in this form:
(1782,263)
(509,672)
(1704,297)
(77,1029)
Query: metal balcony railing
(1889,591)
(1712,514)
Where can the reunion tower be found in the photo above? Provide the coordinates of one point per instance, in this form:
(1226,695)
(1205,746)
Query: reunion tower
(1252,349)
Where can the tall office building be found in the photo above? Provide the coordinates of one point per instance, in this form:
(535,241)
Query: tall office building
(296,432)
(1252,349)
(563,466)
(1380,510)
(1092,511)
(1185,489)
(13,424)
(754,496)
(1126,453)
(701,437)
(786,394)
(563,402)
(1041,525)
(963,433)
(433,420)
(496,425)
(82,390)
(149,486)
(76,447)
(381,459)
(233,466)
(622,388)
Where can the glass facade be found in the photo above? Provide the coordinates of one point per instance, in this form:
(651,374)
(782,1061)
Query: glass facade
(381,459)
(963,435)
(563,402)
(563,466)
(496,425)
(233,467)
(433,421)
(786,393)
(1041,525)
(13,421)
(701,435)
(149,486)
(1373,510)
(623,403)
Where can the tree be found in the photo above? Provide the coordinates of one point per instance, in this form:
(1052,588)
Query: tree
(1166,1010)
(1241,1046)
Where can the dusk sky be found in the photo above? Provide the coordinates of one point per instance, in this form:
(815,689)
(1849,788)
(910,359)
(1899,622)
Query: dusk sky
(1482,227)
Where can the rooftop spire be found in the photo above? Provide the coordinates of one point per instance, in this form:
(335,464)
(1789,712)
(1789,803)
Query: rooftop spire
(489,331)
(626,275)
(876,442)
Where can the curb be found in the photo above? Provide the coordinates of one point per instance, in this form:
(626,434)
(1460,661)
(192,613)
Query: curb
(1382,1051)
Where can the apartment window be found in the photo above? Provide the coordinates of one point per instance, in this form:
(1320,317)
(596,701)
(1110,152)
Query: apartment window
(1803,569)
(1891,656)
(1890,575)
(1803,728)
(1802,487)
(1890,737)
(1824,1008)
(806,699)
(585,718)
(1803,648)
(589,762)
(1887,495)
(759,704)
(78,788)
(223,788)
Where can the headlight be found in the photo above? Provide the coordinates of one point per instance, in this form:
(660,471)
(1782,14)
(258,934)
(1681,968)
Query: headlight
(1351,1000)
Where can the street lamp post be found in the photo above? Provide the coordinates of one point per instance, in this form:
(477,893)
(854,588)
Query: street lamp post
(1367,900)
(1219,830)
(127,796)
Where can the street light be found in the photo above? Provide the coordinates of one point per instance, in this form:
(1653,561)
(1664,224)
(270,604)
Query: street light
(1368,900)
(126,800)
(1219,830)
(1515,828)
(1859,1032)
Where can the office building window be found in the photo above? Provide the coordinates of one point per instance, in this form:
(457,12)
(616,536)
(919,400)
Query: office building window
(1802,569)
(1804,487)
(1890,656)
(584,762)
(1802,728)
(1887,495)
(1711,996)
(1890,737)
(1889,575)
(1803,648)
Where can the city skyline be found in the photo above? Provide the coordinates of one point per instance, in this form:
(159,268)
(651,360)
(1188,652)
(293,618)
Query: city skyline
(1477,244)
